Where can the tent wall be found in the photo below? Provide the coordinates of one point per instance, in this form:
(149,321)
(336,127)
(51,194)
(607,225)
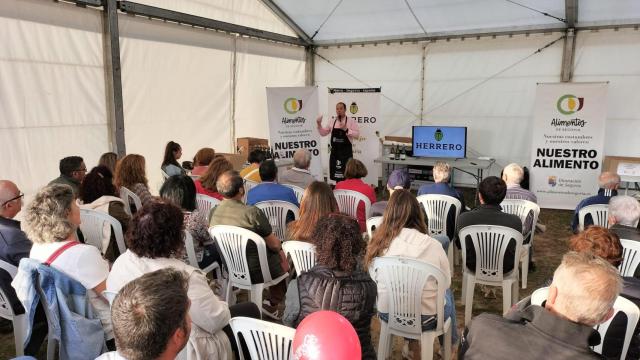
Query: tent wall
(52,89)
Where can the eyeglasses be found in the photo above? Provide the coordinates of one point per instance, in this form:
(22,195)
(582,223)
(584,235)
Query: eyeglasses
(81,170)
(20,195)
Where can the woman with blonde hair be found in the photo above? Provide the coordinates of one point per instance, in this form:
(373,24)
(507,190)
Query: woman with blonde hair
(201,161)
(206,184)
(317,202)
(131,173)
(110,160)
(403,233)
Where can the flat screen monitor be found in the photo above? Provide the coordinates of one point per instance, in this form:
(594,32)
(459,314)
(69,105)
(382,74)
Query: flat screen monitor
(440,141)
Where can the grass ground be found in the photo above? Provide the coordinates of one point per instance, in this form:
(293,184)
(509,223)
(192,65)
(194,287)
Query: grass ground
(548,250)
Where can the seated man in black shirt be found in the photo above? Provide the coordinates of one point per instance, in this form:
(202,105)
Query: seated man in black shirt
(491,192)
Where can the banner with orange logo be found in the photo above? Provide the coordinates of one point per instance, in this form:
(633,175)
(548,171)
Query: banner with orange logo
(292,124)
(567,142)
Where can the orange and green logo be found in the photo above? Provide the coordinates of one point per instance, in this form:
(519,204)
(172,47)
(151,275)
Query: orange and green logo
(569,104)
(292,105)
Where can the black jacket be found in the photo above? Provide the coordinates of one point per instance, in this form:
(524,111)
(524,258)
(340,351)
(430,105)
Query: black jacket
(351,295)
(14,246)
(532,333)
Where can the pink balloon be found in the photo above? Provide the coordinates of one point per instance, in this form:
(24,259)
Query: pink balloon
(326,335)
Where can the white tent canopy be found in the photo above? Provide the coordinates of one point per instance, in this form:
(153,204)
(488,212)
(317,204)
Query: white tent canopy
(461,62)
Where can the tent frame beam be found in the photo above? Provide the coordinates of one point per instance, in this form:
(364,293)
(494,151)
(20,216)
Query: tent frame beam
(568,51)
(113,76)
(287,20)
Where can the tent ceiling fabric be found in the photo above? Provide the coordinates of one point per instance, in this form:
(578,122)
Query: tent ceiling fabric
(382,19)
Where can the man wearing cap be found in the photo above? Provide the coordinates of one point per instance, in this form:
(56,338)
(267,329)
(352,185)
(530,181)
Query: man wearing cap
(398,179)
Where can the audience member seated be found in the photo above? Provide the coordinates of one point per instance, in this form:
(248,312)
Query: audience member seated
(156,241)
(513,174)
(233,212)
(109,160)
(131,174)
(335,283)
(491,192)
(170,164)
(252,172)
(269,189)
(151,317)
(72,171)
(317,202)
(609,183)
(97,192)
(51,220)
(201,161)
(581,296)
(180,191)
(441,178)
(353,173)
(299,174)
(398,179)
(206,184)
(624,212)
(14,246)
(403,233)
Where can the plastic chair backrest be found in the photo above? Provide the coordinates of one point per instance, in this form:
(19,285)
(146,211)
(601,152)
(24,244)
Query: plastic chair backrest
(303,254)
(6,311)
(277,211)
(490,244)
(522,208)
(437,208)
(626,306)
(97,226)
(372,224)
(110,296)
(297,190)
(127,196)
(405,280)
(248,185)
(191,249)
(630,257)
(232,241)
(348,201)
(265,340)
(599,214)
(165,176)
(206,203)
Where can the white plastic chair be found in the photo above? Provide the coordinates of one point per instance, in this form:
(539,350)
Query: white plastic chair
(303,254)
(97,226)
(248,185)
(599,213)
(232,241)
(626,306)
(127,197)
(297,190)
(630,257)
(265,340)
(522,208)
(490,245)
(110,296)
(165,176)
(437,208)
(372,224)
(206,203)
(20,322)
(277,211)
(193,258)
(348,201)
(405,280)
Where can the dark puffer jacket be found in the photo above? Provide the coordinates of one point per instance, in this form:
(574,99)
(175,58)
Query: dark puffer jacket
(351,295)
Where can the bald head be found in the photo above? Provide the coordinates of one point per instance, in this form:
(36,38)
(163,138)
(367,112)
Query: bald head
(609,180)
(302,159)
(230,185)
(10,202)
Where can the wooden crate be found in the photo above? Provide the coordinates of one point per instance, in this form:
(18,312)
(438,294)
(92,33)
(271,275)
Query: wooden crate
(246,144)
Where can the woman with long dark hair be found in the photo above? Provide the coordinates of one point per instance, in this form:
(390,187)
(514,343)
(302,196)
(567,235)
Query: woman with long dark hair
(170,165)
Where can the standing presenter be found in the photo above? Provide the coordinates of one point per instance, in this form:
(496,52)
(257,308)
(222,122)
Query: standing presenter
(343,131)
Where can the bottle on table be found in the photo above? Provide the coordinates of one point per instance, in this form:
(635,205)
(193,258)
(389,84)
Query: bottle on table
(397,153)
(403,153)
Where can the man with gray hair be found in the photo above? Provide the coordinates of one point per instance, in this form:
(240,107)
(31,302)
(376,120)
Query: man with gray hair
(582,295)
(609,183)
(513,174)
(299,174)
(624,212)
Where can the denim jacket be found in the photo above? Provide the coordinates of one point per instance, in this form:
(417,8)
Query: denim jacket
(70,315)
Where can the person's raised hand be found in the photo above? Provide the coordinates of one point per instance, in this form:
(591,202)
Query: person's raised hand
(319,120)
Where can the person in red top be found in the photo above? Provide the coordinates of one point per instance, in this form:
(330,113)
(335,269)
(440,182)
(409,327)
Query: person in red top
(354,172)
(206,184)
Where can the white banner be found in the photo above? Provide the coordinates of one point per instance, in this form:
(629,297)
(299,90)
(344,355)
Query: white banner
(568,141)
(292,123)
(363,106)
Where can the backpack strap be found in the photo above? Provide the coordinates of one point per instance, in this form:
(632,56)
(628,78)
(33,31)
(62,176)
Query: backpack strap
(59,252)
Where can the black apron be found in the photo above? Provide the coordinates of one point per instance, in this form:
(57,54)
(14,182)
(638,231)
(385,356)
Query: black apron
(341,152)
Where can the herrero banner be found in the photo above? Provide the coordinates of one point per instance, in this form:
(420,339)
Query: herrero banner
(568,141)
(363,106)
(292,123)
